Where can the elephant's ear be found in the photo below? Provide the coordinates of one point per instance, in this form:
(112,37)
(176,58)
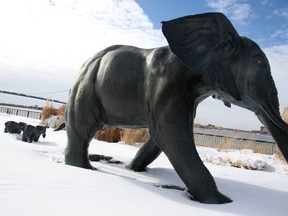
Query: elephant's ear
(206,43)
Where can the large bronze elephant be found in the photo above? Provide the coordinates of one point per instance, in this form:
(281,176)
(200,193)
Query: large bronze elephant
(161,88)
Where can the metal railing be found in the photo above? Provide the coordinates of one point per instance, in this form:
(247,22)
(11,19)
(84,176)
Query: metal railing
(29,113)
(222,139)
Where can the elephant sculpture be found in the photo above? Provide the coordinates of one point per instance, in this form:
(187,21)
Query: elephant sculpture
(14,127)
(32,133)
(160,88)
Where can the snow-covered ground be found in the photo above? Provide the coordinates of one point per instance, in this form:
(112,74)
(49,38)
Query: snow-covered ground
(34,181)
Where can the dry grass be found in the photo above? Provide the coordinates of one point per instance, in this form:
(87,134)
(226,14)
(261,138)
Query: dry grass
(262,149)
(109,134)
(113,134)
(134,136)
(249,144)
(49,110)
(279,155)
(285,118)
(131,137)
(61,110)
(226,143)
(285,114)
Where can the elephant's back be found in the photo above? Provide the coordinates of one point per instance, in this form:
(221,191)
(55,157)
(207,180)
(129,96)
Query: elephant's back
(121,69)
(120,85)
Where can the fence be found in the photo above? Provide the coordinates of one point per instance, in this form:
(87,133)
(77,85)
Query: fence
(225,139)
(29,113)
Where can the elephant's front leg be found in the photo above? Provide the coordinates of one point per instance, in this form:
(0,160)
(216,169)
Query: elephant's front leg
(146,155)
(172,129)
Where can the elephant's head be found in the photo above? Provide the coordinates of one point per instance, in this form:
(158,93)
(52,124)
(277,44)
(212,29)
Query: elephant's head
(22,126)
(39,129)
(236,67)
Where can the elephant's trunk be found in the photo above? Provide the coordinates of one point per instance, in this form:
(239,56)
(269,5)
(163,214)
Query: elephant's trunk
(277,127)
(274,115)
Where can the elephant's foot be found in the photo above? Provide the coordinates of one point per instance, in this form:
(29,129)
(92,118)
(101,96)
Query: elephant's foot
(146,155)
(75,160)
(136,167)
(212,198)
(76,152)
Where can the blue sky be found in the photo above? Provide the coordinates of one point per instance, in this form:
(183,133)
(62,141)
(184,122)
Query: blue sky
(265,21)
(43,43)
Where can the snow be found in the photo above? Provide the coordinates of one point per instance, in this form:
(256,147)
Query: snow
(35,181)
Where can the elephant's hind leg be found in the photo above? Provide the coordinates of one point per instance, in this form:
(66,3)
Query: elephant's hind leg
(146,155)
(82,120)
(81,128)
(76,152)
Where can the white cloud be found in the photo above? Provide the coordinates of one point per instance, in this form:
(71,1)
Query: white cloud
(239,12)
(220,4)
(283,12)
(282,33)
(117,14)
(46,41)
(267,3)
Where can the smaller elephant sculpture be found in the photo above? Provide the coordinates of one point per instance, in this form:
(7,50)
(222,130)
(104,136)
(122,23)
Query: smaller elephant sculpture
(14,127)
(32,133)
(41,130)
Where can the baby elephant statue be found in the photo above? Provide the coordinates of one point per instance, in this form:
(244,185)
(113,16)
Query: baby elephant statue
(161,88)
(31,133)
(14,127)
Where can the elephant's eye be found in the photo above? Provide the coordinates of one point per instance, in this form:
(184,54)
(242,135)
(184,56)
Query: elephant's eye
(258,59)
